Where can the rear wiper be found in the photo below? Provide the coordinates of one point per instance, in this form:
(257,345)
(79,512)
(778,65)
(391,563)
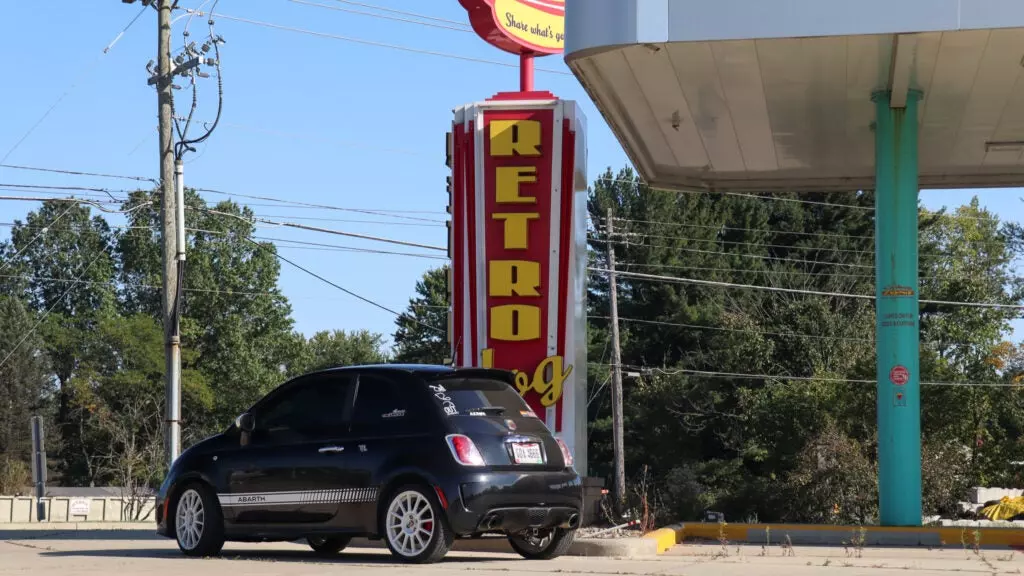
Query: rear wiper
(495,410)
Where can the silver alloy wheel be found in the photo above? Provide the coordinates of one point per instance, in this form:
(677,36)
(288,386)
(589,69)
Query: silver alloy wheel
(410,523)
(189,519)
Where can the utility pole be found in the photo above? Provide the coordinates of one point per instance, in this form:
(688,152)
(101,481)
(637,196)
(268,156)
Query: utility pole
(168,231)
(617,443)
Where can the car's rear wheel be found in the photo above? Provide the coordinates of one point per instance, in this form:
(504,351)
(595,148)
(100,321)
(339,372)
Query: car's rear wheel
(414,527)
(542,544)
(198,522)
(328,545)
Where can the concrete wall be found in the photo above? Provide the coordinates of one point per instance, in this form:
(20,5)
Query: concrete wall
(15,509)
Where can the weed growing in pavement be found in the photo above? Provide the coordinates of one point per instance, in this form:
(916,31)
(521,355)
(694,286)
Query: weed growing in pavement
(860,537)
(723,538)
(767,541)
(787,547)
(1008,557)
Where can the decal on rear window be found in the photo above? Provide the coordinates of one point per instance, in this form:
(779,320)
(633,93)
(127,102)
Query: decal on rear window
(446,401)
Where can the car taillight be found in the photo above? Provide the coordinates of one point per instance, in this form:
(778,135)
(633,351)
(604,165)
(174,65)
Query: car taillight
(464,450)
(566,454)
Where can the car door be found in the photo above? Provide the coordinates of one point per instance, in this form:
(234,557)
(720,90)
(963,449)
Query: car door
(293,470)
(386,429)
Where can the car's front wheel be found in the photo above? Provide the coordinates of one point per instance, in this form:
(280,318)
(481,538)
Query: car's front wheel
(414,527)
(198,522)
(542,544)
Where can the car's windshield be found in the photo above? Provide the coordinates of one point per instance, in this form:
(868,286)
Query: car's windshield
(478,396)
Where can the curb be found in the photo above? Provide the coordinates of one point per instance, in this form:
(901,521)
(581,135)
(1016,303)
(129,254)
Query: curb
(834,535)
(665,538)
(75,526)
(592,547)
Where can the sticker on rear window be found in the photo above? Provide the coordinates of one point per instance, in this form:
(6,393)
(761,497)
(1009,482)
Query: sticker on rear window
(446,401)
(396,413)
(527,414)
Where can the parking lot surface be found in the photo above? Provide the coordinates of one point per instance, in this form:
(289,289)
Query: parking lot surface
(134,553)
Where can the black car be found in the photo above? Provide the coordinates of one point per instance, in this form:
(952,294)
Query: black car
(415,455)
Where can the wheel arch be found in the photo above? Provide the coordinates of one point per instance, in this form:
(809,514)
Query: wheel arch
(175,490)
(402,477)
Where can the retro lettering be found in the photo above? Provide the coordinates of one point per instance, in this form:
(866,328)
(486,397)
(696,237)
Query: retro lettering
(517,228)
(513,278)
(507,184)
(515,138)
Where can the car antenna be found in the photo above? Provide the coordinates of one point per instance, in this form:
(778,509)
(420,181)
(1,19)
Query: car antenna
(451,361)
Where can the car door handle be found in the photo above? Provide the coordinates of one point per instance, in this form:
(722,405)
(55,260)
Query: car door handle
(331,449)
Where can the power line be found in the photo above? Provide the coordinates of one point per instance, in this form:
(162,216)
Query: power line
(740,330)
(383,16)
(402,12)
(36,237)
(349,292)
(742,255)
(374,212)
(71,88)
(380,44)
(47,312)
(327,231)
(742,375)
(78,173)
(797,291)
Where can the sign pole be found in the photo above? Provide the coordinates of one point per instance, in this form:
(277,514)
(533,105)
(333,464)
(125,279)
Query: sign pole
(526,72)
(896,290)
(38,467)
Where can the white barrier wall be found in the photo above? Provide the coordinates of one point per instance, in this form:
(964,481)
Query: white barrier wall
(21,509)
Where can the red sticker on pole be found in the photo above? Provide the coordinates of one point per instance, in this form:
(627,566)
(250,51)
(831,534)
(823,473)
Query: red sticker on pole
(899,375)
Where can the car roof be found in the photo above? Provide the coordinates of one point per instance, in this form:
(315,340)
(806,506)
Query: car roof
(423,370)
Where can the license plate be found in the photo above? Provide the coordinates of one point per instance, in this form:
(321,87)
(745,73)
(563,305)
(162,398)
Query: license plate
(527,454)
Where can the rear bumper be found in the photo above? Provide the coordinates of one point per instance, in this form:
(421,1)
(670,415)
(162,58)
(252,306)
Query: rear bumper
(514,501)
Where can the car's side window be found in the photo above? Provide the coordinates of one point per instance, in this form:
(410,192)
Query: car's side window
(380,408)
(313,408)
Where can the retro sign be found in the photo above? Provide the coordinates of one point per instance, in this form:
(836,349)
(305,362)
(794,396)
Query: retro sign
(519,26)
(518,205)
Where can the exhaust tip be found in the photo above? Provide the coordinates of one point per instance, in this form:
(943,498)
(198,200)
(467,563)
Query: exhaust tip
(574,521)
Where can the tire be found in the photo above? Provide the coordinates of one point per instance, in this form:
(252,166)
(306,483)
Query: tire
(558,543)
(414,526)
(197,506)
(328,545)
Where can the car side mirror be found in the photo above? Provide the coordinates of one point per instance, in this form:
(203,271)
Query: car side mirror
(246,423)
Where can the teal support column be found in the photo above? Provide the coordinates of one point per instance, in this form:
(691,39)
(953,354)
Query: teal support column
(896,331)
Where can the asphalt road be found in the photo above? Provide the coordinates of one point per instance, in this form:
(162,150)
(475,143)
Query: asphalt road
(132,553)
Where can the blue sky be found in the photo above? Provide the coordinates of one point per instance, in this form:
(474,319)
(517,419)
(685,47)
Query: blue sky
(305,118)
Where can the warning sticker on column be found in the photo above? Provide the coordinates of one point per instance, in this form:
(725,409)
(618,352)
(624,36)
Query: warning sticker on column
(899,375)
(899,398)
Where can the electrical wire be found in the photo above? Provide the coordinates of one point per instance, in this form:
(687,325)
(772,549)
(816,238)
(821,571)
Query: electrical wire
(382,44)
(737,330)
(72,87)
(325,230)
(402,12)
(47,312)
(78,173)
(795,290)
(349,292)
(742,255)
(382,16)
(743,375)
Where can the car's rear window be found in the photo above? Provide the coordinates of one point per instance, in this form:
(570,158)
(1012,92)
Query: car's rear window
(468,395)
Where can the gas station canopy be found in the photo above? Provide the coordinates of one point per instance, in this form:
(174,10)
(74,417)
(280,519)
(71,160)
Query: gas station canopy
(765,95)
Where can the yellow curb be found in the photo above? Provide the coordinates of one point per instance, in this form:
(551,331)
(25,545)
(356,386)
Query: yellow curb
(945,535)
(666,537)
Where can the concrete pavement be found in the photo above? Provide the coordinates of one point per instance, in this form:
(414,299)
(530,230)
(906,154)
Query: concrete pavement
(105,552)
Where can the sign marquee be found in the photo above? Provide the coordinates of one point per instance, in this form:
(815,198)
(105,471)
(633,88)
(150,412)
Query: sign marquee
(519,26)
(518,251)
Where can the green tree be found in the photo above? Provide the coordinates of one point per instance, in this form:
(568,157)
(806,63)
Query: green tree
(66,258)
(421,336)
(25,388)
(235,320)
(339,348)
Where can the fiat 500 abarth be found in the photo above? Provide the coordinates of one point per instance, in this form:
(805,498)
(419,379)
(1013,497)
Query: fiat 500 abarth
(415,455)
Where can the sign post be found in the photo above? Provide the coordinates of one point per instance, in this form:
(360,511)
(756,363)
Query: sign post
(38,467)
(518,239)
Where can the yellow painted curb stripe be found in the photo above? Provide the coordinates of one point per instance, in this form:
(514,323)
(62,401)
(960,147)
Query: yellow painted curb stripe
(949,535)
(666,537)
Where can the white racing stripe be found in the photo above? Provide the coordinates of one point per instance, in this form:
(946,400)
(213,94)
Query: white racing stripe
(345,496)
